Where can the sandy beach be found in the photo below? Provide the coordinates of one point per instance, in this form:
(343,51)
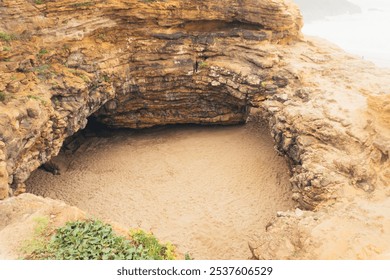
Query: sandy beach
(208,190)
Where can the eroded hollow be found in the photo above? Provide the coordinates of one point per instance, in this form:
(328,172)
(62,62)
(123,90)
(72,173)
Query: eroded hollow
(208,190)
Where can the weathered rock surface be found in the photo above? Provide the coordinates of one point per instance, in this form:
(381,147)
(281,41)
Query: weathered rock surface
(143,63)
(150,63)
(20,215)
(333,125)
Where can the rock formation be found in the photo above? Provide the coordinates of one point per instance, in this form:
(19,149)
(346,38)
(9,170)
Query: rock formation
(148,62)
(139,63)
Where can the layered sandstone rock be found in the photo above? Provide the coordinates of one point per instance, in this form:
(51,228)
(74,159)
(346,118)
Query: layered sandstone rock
(150,62)
(334,128)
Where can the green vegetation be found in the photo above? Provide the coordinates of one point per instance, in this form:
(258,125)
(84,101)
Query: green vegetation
(42,68)
(203,64)
(155,250)
(6,48)
(38,98)
(44,72)
(2,96)
(93,240)
(39,237)
(84,77)
(6,37)
(42,52)
(39,2)
(188,257)
(106,78)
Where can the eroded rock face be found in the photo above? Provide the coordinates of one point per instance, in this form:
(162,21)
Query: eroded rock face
(150,63)
(334,128)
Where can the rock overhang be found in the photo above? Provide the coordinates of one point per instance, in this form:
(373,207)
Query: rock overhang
(156,62)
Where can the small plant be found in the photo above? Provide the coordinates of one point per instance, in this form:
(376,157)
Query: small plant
(56,102)
(6,48)
(44,72)
(2,96)
(188,257)
(6,37)
(203,64)
(40,235)
(42,68)
(101,36)
(34,97)
(106,78)
(84,77)
(39,2)
(155,249)
(42,52)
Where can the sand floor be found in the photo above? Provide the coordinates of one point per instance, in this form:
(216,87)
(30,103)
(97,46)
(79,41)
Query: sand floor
(208,190)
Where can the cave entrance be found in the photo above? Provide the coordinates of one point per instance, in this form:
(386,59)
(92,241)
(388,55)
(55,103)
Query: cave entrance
(207,189)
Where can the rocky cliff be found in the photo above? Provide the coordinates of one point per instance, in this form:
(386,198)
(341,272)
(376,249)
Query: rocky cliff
(133,64)
(138,63)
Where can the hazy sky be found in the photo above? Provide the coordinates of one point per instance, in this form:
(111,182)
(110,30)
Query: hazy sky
(365,34)
(371,3)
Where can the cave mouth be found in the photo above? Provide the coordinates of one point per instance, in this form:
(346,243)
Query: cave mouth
(209,190)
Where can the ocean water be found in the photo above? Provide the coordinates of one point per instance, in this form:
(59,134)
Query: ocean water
(365,34)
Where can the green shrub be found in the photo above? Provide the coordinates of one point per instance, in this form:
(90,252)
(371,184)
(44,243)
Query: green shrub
(94,240)
(154,248)
(2,96)
(6,37)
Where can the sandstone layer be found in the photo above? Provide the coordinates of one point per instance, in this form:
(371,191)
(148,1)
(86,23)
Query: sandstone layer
(148,62)
(138,64)
(334,128)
